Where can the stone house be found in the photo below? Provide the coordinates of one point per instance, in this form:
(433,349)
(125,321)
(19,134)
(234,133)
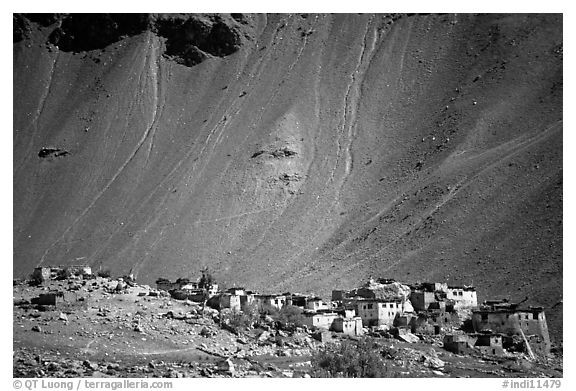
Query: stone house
(232,301)
(489,344)
(438,295)
(375,312)
(404,320)
(432,322)
(235,298)
(316,304)
(421,300)
(462,296)
(247,299)
(422,296)
(348,326)
(320,320)
(296,299)
(459,343)
(236,291)
(509,320)
(276,301)
(50,298)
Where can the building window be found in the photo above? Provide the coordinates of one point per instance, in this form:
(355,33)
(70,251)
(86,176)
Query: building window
(459,293)
(534,316)
(369,306)
(455,293)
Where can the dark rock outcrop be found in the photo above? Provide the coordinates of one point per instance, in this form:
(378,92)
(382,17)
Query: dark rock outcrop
(83,32)
(20,28)
(190,38)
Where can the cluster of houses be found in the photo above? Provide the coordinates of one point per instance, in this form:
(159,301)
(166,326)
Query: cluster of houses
(404,310)
(379,306)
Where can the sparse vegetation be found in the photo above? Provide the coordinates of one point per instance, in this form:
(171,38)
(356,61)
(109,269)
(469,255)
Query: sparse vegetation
(267,309)
(362,358)
(290,315)
(239,320)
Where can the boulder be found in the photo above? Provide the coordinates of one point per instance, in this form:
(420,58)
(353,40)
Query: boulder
(206,332)
(90,365)
(408,337)
(263,336)
(433,363)
(241,340)
(226,366)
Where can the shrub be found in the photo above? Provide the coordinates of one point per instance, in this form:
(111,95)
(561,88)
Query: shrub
(360,358)
(251,310)
(290,315)
(267,309)
(239,320)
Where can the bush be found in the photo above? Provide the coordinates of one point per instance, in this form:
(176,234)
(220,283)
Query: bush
(267,309)
(290,315)
(361,358)
(239,320)
(251,310)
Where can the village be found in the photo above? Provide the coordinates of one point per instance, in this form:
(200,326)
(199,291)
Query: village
(428,313)
(385,305)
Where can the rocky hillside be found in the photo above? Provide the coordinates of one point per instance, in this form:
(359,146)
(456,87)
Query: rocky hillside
(293,152)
